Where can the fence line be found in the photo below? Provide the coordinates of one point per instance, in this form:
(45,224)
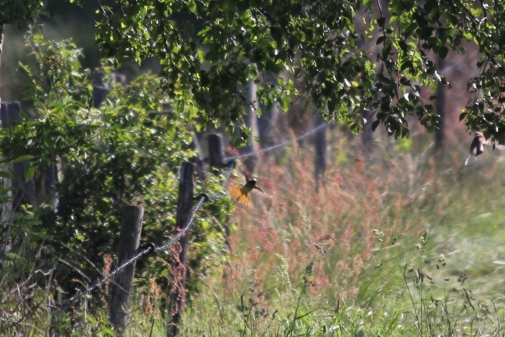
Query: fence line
(149,248)
(281,144)
(201,199)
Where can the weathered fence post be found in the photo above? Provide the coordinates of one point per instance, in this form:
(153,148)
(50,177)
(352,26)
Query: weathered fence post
(99,89)
(216,152)
(320,151)
(6,207)
(178,267)
(25,190)
(129,239)
(197,160)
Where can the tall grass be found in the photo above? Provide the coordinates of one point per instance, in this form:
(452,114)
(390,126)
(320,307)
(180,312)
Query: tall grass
(406,244)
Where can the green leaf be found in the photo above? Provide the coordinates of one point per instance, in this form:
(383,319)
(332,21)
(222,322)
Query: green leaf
(21,158)
(201,55)
(5,174)
(30,171)
(191,6)
(108,332)
(285,102)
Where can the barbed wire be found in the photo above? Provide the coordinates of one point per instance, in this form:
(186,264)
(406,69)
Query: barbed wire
(281,144)
(68,303)
(165,247)
(201,199)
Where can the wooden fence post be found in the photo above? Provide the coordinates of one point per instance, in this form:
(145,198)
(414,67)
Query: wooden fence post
(99,89)
(197,160)
(6,207)
(216,152)
(320,151)
(25,190)
(178,267)
(129,239)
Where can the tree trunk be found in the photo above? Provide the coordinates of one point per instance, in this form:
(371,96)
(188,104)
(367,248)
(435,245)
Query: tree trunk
(268,121)
(7,182)
(251,121)
(2,27)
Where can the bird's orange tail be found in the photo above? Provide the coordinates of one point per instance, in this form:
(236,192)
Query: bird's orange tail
(239,196)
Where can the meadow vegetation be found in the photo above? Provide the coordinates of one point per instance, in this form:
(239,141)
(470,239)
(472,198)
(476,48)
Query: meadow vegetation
(406,243)
(381,251)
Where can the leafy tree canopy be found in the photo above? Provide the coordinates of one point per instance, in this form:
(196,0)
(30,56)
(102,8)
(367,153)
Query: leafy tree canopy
(18,11)
(208,49)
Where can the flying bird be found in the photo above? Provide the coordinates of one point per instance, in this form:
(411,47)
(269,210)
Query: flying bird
(241,194)
(477,146)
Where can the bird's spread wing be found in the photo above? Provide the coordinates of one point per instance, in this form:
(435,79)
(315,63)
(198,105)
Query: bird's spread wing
(239,196)
(245,176)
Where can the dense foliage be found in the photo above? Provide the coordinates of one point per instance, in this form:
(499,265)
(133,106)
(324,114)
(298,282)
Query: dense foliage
(209,49)
(16,12)
(127,152)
